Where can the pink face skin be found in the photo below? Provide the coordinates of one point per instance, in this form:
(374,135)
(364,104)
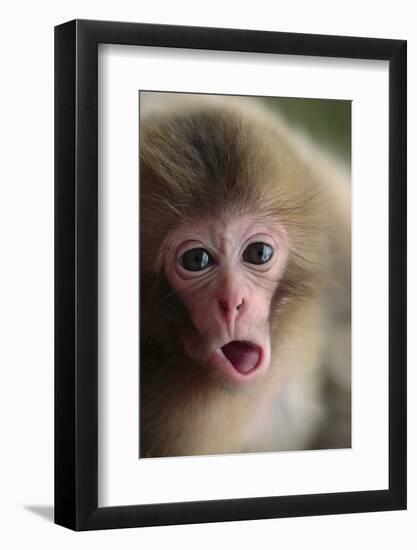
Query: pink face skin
(229,299)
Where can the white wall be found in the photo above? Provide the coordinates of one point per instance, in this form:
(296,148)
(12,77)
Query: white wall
(26,271)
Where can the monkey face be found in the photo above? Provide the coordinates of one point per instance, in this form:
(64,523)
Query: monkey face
(226,272)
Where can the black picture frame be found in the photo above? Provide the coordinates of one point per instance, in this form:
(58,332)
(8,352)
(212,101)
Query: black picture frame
(76,272)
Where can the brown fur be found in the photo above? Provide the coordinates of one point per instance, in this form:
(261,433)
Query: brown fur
(209,157)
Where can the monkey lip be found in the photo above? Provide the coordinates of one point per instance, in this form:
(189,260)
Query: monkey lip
(244,356)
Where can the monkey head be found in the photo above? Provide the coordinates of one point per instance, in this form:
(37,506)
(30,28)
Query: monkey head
(227,231)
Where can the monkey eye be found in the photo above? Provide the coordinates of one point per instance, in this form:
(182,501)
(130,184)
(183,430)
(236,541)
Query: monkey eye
(258,253)
(196,259)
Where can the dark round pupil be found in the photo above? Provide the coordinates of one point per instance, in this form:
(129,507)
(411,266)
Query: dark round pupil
(196,259)
(258,253)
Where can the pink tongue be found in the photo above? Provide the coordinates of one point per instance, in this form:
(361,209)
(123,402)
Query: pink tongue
(243,356)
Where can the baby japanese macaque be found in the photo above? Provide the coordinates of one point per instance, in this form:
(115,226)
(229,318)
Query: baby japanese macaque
(245,282)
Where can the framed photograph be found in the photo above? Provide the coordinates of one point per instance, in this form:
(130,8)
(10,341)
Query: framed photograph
(230,255)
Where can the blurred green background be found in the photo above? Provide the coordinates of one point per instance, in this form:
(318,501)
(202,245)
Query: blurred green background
(327,121)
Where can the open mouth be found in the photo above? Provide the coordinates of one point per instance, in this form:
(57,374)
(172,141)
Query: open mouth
(244,356)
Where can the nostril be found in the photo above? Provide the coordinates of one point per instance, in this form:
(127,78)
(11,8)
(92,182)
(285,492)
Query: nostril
(223,305)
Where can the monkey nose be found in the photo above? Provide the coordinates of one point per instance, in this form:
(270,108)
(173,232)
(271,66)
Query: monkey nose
(228,306)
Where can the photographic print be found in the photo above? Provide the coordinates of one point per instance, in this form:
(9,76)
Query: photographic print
(245,278)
